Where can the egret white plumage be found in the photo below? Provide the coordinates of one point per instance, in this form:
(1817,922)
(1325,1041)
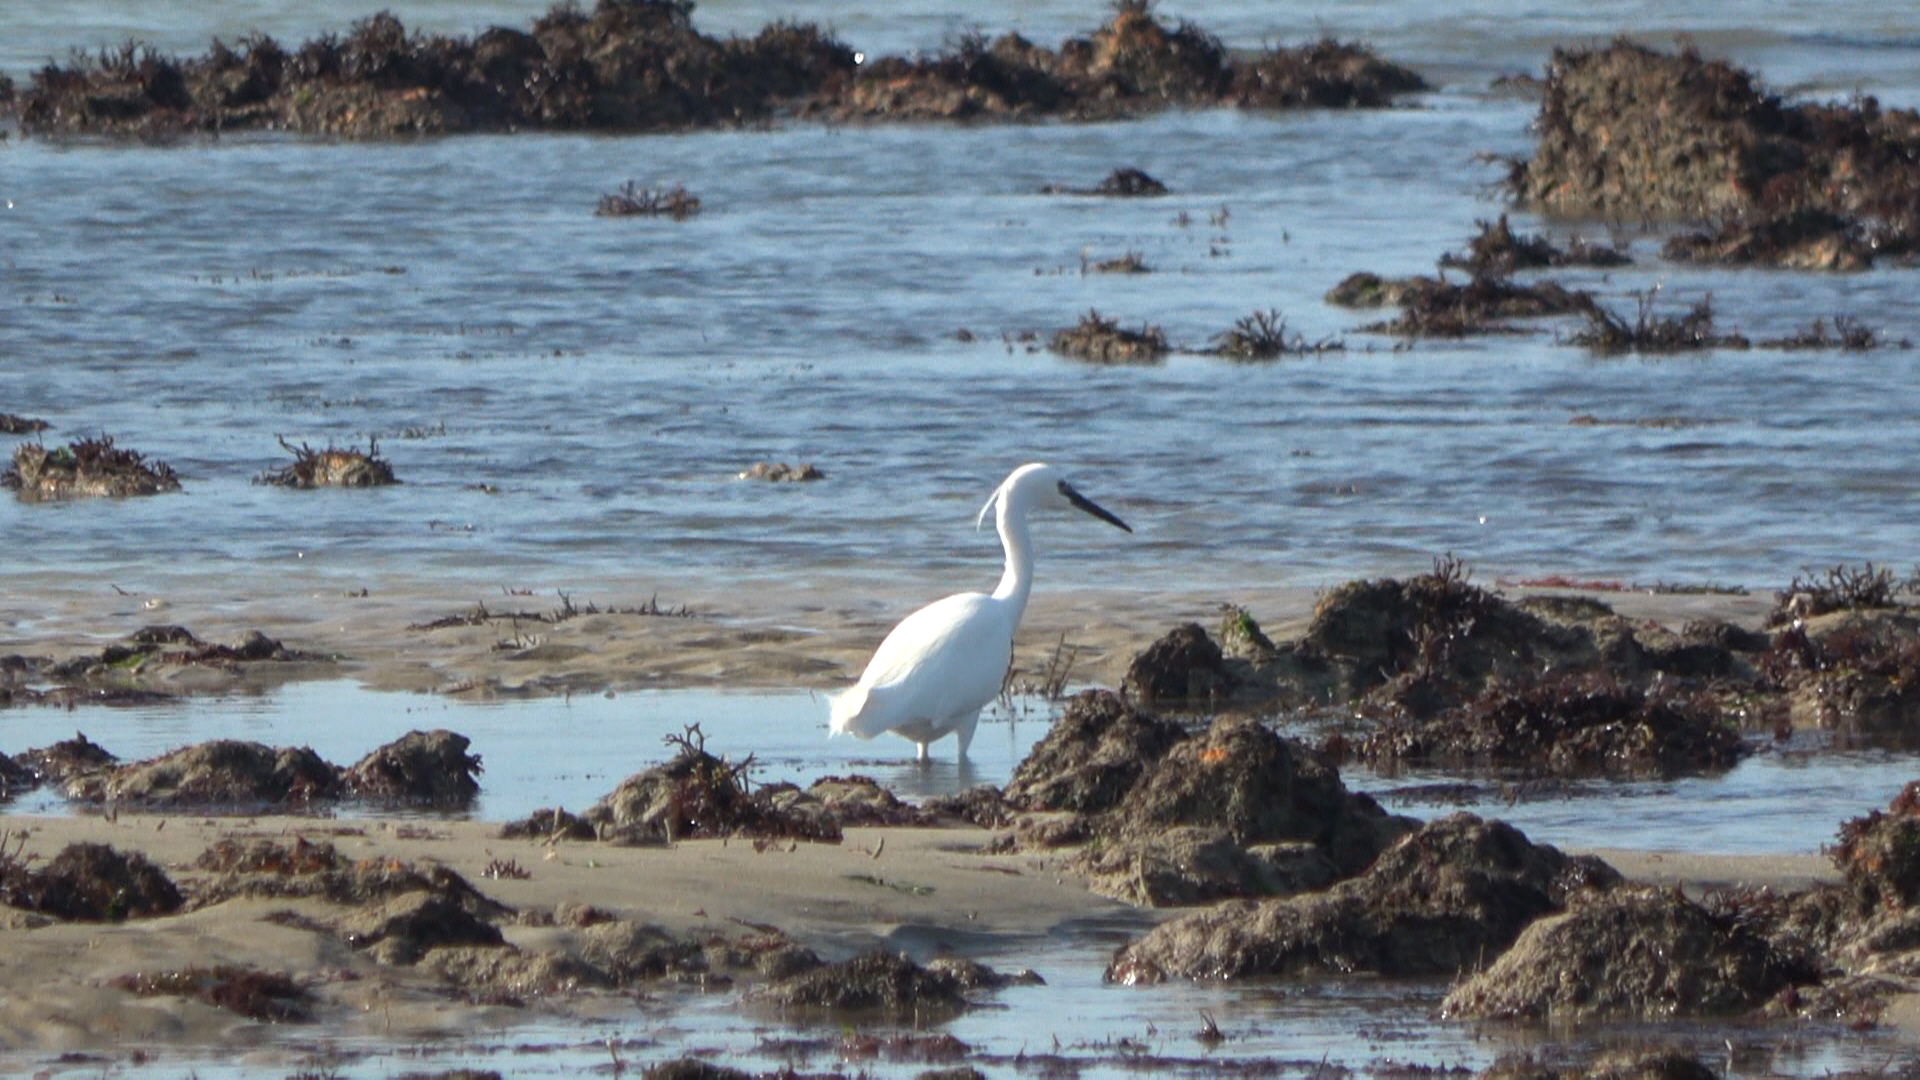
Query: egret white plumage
(944,663)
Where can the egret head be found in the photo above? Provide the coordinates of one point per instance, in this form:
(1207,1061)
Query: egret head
(1037,485)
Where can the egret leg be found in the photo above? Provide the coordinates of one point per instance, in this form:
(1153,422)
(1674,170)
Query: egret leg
(964,734)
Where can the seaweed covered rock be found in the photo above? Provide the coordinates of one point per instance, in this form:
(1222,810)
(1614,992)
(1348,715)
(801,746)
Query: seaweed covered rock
(1183,666)
(698,795)
(629,65)
(83,469)
(1439,308)
(1879,853)
(1438,628)
(224,773)
(1258,787)
(1102,341)
(402,929)
(1091,756)
(1622,1064)
(90,883)
(1856,671)
(1646,953)
(152,647)
(331,467)
(882,982)
(1575,724)
(1186,865)
(1438,902)
(1629,132)
(65,759)
(421,768)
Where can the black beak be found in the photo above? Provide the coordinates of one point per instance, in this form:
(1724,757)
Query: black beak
(1082,502)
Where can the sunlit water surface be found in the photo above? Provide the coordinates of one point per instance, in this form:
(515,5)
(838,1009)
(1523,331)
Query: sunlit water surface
(568,398)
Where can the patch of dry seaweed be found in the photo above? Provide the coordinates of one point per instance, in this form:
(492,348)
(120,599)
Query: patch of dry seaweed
(1610,333)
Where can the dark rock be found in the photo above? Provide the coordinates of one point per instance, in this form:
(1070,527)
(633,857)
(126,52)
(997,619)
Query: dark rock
(1438,902)
(1497,251)
(20,425)
(1644,953)
(421,768)
(90,883)
(1091,756)
(303,856)
(1879,853)
(1437,625)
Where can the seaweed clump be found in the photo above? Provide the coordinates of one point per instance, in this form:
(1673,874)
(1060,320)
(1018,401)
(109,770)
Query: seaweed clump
(1497,250)
(632,200)
(1609,333)
(85,468)
(331,467)
(1263,336)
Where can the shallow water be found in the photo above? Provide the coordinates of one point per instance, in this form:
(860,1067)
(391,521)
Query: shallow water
(606,378)
(569,751)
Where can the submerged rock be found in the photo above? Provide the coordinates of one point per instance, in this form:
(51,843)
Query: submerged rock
(85,468)
(1646,953)
(90,883)
(1440,901)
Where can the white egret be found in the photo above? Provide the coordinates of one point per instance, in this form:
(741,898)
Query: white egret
(943,664)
